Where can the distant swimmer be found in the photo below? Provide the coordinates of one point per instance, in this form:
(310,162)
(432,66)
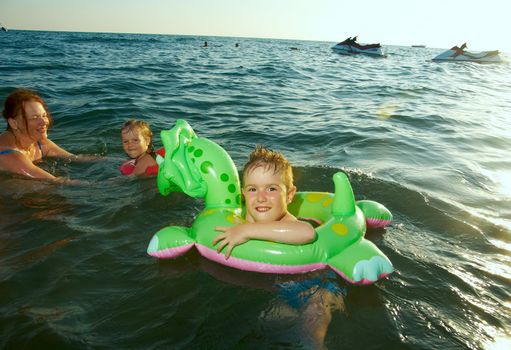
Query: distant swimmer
(236,45)
(205,44)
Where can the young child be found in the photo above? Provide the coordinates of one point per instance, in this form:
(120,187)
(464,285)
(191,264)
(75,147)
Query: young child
(268,189)
(138,145)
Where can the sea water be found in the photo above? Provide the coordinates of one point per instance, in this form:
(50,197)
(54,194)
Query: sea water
(430,141)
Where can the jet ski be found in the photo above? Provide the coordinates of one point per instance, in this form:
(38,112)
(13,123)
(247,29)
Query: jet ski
(459,54)
(350,46)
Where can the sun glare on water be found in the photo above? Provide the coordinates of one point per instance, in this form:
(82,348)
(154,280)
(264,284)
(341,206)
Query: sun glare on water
(504,182)
(386,111)
(503,343)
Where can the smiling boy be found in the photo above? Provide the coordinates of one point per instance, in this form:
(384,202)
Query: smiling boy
(268,189)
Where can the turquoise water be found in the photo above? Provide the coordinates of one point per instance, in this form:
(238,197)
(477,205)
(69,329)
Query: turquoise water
(430,141)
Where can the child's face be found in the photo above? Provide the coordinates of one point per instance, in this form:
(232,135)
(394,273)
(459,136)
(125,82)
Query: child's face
(266,195)
(134,143)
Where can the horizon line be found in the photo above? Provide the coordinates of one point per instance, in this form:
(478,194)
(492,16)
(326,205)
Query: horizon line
(203,35)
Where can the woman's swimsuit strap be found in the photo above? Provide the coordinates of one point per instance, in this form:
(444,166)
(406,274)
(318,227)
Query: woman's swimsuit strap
(9,150)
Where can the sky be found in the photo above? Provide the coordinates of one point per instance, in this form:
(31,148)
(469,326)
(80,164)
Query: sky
(484,25)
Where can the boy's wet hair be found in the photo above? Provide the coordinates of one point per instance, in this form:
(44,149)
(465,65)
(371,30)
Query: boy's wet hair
(270,160)
(144,128)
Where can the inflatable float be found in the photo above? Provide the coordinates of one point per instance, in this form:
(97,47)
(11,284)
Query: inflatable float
(128,167)
(201,168)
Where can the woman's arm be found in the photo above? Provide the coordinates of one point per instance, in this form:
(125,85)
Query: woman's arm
(19,163)
(289,232)
(51,149)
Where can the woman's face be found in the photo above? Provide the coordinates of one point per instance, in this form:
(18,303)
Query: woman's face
(37,122)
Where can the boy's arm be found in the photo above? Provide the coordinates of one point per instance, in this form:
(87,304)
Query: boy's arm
(289,232)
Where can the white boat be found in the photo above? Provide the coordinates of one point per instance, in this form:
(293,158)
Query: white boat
(456,54)
(350,46)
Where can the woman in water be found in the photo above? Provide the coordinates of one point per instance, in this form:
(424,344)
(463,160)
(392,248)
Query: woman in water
(25,142)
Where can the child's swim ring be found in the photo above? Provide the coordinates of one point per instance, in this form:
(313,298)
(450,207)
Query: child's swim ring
(201,168)
(128,167)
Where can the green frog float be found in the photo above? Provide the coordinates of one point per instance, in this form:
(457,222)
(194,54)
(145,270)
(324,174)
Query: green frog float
(201,168)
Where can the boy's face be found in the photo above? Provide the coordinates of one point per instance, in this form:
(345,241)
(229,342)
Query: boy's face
(266,195)
(134,143)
